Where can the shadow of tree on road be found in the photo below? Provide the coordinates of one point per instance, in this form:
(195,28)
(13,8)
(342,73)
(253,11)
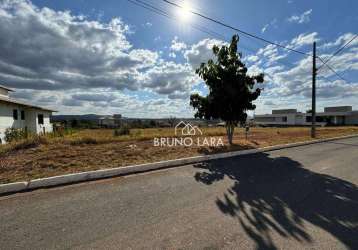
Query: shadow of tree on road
(279,195)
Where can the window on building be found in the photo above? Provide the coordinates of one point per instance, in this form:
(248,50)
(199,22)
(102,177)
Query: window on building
(40,119)
(284,119)
(22,115)
(319,119)
(15,114)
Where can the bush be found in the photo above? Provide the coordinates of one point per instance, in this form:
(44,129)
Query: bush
(13,134)
(124,130)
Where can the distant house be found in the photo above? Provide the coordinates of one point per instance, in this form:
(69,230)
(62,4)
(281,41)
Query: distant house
(340,115)
(110,121)
(20,115)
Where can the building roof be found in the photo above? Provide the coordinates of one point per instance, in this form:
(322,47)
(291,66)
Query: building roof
(328,111)
(284,111)
(11,100)
(6,88)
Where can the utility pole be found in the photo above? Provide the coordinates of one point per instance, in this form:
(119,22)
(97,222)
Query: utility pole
(314,72)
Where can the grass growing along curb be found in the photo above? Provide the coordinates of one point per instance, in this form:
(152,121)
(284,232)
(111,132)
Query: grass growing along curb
(86,150)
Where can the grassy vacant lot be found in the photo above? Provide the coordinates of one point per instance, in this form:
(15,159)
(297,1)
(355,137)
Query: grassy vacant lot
(86,150)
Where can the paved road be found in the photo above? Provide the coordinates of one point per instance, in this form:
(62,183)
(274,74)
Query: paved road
(304,197)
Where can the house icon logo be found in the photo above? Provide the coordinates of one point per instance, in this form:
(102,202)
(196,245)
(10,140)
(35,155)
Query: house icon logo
(186,129)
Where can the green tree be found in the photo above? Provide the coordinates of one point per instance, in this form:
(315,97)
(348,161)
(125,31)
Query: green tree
(231,89)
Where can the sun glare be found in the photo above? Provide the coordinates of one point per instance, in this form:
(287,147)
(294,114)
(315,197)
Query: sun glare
(184,13)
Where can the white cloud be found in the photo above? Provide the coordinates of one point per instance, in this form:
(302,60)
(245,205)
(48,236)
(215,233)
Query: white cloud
(148,24)
(303,18)
(271,54)
(273,23)
(264,28)
(340,41)
(201,51)
(304,39)
(169,78)
(83,66)
(255,69)
(55,51)
(177,45)
(270,103)
(252,58)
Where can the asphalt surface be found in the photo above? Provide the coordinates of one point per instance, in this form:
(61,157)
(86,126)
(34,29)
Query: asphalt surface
(298,198)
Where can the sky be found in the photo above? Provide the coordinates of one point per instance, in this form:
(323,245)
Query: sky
(113,56)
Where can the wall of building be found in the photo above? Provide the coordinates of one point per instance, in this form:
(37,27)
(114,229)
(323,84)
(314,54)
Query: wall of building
(7,120)
(291,119)
(338,109)
(300,119)
(277,119)
(30,122)
(352,119)
(340,115)
(46,126)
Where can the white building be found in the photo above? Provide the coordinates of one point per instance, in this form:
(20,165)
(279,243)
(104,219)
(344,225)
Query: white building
(20,115)
(341,115)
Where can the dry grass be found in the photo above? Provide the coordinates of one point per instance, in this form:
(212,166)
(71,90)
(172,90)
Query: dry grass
(98,149)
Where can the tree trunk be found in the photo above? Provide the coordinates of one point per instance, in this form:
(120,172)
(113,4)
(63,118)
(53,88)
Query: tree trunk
(230,131)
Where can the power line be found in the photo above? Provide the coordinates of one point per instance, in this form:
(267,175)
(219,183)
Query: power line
(161,12)
(330,68)
(202,29)
(337,52)
(165,14)
(149,7)
(197,27)
(257,37)
(336,73)
(238,30)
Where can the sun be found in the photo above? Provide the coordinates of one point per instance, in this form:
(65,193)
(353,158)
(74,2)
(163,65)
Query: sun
(184,12)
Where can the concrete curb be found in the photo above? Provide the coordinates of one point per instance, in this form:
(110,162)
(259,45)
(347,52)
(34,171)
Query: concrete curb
(106,173)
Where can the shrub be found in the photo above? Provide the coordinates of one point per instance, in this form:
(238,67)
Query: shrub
(124,130)
(13,134)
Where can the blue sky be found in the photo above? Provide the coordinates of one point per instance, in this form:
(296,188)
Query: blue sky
(115,57)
